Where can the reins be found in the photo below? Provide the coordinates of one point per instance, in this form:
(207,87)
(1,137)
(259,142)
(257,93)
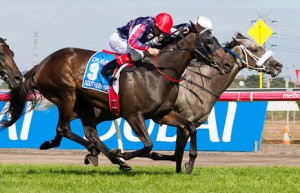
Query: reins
(196,49)
(197,85)
(161,72)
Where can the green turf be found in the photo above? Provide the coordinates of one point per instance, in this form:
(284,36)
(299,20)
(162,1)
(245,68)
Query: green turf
(60,178)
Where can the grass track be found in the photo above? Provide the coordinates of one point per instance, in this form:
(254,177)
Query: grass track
(60,178)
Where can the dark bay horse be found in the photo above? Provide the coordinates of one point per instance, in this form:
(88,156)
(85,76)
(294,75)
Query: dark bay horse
(9,72)
(202,85)
(144,93)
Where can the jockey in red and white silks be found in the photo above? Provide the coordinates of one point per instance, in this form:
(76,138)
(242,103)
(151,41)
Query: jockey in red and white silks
(131,39)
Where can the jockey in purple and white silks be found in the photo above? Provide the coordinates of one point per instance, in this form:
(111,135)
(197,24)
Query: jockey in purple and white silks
(132,39)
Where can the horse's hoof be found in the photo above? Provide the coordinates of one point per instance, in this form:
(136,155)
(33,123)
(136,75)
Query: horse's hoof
(188,168)
(86,160)
(125,167)
(92,159)
(46,145)
(178,170)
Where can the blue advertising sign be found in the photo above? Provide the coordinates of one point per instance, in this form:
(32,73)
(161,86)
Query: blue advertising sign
(231,126)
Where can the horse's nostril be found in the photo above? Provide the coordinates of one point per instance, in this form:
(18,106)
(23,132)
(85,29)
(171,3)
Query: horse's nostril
(18,79)
(227,66)
(278,66)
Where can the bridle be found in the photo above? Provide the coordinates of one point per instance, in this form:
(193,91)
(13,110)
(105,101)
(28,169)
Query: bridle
(260,61)
(200,44)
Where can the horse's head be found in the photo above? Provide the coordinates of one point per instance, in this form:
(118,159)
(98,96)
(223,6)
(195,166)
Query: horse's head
(253,56)
(209,50)
(9,72)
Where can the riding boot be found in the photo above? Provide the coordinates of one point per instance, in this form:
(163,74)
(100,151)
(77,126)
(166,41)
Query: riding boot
(125,58)
(108,69)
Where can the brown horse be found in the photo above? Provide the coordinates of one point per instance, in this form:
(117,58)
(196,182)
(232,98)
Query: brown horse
(201,87)
(144,93)
(9,72)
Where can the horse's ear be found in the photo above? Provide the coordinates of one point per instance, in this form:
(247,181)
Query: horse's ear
(236,37)
(194,26)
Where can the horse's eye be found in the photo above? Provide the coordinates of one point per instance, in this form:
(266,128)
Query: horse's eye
(255,50)
(209,41)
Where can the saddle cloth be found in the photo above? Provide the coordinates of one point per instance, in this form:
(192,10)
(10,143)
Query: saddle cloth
(93,79)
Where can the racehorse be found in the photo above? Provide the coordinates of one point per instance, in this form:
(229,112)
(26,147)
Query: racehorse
(148,92)
(202,85)
(9,72)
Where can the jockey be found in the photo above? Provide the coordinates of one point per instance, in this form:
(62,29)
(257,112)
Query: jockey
(131,40)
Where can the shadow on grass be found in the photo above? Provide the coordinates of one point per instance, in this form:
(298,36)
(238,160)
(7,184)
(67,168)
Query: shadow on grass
(111,173)
(99,171)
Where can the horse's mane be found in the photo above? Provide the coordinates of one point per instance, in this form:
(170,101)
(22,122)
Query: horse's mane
(232,43)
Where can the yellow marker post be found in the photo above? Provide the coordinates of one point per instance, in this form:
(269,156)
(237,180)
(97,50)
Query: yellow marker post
(260,32)
(260,79)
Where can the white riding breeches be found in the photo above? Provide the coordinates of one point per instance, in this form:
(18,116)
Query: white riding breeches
(120,45)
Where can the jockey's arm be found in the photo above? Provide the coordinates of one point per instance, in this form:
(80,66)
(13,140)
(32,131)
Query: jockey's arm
(134,38)
(157,42)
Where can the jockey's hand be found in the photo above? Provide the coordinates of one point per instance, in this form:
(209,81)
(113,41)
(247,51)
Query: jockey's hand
(153,51)
(185,30)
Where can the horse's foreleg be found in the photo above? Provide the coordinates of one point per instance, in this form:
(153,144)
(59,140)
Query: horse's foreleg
(181,140)
(175,119)
(92,135)
(137,124)
(193,149)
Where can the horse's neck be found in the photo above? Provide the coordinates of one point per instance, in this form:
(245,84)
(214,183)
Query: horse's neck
(176,55)
(211,81)
(173,63)
(219,83)
(197,97)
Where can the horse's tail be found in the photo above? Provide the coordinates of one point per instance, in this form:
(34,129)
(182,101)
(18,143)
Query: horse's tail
(18,97)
